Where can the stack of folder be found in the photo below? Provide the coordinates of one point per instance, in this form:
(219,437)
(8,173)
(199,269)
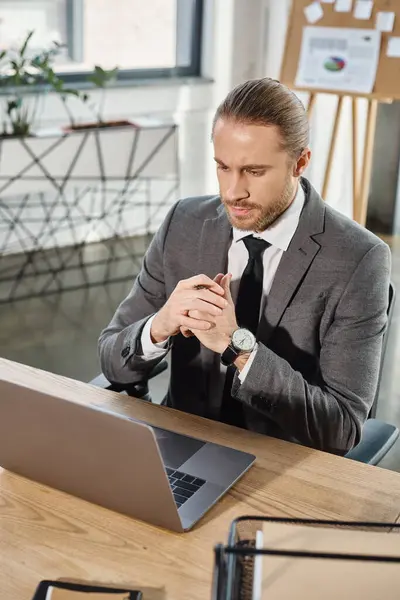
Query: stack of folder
(309,560)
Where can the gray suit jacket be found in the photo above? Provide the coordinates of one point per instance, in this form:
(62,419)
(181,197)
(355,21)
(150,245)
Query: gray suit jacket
(315,374)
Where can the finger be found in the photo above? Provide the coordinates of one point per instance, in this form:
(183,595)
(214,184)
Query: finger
(194,324)
(218,278)
(226,284)
(198,315)
(201,305)
(186,332)
(202,281)
(209,297)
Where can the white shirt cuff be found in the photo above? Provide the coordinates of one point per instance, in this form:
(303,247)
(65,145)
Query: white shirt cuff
(149,348)
(243,373)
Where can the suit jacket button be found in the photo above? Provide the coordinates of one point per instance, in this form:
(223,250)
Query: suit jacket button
(125,351)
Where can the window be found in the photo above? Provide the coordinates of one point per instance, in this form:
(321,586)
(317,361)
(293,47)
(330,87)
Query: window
(144,38)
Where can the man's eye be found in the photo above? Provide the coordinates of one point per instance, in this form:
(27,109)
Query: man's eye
(222,168)
(256,173)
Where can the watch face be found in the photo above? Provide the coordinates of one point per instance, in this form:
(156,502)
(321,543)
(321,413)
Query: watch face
(243,340)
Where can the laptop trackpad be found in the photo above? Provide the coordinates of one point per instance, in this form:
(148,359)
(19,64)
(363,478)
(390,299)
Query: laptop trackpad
(175,448)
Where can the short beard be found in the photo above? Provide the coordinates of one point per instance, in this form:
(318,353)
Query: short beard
(268,215)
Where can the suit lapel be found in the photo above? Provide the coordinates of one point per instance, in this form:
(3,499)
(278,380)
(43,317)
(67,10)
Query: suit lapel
(213,259)
(295,261)
(214,245)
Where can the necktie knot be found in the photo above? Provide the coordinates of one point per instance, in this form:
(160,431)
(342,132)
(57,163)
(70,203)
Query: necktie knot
(255,246)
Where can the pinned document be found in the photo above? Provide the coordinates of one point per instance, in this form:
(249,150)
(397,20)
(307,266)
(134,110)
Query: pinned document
(393,49)
(363,9)
(343,5)
(338,59)
(314,12)
(385,21)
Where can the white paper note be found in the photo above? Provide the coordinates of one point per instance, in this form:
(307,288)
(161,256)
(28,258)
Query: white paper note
(393,49)
(343,5)
(363,9)
(258,562)
(314,12)
(385,21)
(339,59)
(328,1)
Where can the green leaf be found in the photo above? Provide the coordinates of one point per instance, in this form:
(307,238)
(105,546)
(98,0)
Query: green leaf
(99,70)
(96,80)
(58,85)
(3,54)
(26,42)
(50,76)
(13,105)
(37,61)
(113,73)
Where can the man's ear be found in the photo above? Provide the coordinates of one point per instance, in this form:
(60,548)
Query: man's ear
(302,163)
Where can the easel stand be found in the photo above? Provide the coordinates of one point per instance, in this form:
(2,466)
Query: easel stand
(361,177)
(386,87)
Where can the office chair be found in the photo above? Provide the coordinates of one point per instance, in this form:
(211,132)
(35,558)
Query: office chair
(377,437)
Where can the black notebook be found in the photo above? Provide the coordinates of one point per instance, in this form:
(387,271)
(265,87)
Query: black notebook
(57,590)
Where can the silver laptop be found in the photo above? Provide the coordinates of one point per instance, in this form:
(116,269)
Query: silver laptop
(152,474)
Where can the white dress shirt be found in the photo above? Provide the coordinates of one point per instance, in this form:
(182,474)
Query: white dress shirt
(279,235)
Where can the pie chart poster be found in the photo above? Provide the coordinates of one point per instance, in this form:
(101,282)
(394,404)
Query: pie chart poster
(338,59)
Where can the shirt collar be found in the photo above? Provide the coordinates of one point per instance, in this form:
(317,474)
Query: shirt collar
(280,233)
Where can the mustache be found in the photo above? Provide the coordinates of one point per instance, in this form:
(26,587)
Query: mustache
(244,205)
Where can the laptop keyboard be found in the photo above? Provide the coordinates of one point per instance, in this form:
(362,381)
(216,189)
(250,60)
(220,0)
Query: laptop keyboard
(183,485)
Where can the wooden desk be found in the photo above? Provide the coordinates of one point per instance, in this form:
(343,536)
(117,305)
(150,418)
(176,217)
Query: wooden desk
(45,534)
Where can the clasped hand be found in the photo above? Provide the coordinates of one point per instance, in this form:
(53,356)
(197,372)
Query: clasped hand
(200,307)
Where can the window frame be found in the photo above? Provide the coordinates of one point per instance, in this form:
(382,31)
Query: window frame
(186,9)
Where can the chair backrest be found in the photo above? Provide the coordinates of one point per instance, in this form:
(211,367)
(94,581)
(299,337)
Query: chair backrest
(391,302)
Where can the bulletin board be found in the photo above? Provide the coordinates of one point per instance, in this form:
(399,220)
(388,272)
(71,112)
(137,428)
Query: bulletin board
(387,83)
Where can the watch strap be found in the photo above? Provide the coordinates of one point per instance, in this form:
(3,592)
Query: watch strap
(229,356)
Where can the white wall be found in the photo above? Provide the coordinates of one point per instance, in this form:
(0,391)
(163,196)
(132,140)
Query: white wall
(242,39)
(232,52)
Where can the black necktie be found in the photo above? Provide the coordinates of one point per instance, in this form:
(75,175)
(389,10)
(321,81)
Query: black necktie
(247,315)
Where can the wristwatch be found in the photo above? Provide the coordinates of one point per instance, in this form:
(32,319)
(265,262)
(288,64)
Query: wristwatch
(242,342)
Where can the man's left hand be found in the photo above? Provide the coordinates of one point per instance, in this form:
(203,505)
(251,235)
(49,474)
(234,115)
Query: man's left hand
(218,338)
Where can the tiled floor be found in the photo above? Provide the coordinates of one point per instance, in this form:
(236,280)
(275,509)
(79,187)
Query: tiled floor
(59,333)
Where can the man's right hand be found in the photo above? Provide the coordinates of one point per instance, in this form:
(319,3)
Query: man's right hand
(198,293)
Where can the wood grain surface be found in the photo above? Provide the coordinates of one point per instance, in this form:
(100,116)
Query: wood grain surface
(46,534)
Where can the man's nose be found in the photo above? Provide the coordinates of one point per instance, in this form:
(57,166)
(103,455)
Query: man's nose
(236,189)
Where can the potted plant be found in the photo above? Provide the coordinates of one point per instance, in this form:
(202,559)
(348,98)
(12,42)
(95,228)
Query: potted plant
(108,149)
(21,71)
(101,79)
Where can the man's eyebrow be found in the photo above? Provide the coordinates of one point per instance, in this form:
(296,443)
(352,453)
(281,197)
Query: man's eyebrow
(251,166)
(255,166)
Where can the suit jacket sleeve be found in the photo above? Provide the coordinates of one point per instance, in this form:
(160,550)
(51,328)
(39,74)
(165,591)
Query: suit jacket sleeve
(119,346)
(329,415)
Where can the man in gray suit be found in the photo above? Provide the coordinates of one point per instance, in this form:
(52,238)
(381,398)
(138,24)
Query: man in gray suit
(272,304)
